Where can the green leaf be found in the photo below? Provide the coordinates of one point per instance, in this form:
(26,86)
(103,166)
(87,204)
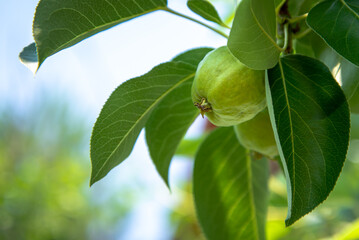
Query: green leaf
(350,77)
(349,231)
(304,45)
(310,118)
(28,57)
(299,7)
(167,126)
(354,102)
(188,147)
(253,36)
(126,112)
(337,22)
(206,10)
(230,190)
(172,117)
(323,52)
(192,57)
(349,73)
(278,3)
(61,24)
(354,130)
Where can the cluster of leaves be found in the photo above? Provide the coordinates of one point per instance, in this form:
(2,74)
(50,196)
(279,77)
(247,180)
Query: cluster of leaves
(308,108)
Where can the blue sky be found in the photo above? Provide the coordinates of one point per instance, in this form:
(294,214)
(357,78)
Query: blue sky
(86,74)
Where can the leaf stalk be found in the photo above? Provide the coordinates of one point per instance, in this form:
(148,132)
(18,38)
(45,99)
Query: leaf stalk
(286,37)
(196,21)
(298,18)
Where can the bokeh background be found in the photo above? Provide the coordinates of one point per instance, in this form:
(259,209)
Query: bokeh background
(45,126)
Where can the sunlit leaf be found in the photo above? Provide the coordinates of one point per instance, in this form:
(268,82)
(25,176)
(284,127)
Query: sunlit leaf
(172,117)
(346,73)
(59,24)
(253,36)
(323,52)
(230,189)
(126,111)
(205,9)
(350,77)
(337,22)
(349,232)
(310,116)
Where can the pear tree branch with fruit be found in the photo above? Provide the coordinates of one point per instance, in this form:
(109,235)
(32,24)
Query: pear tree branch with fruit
(270,91)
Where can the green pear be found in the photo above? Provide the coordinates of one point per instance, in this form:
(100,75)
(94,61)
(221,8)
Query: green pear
(257,135)
(227,91)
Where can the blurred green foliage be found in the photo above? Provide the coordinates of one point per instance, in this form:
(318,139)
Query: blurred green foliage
(44,175)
